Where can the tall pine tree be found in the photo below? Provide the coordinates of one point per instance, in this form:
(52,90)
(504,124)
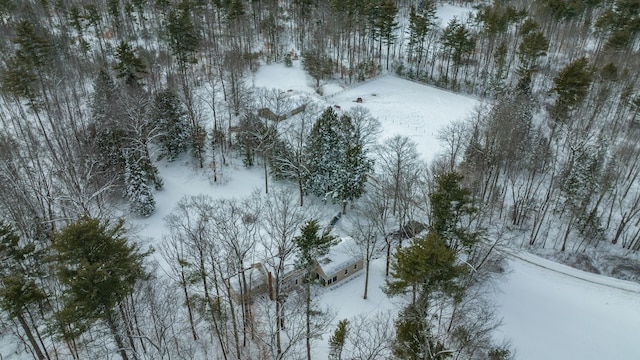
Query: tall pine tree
(98,268)
(137,189)
(571,86)
(172,127)
(337,163)
(128,66)
(21,296)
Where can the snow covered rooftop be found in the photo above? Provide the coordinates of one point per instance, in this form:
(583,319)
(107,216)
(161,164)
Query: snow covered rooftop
(340,256)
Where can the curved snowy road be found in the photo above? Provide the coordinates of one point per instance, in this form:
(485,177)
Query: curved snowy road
(552,311)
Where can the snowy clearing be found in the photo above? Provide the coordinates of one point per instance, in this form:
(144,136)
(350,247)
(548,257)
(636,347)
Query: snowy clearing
(409,109)
(446,13)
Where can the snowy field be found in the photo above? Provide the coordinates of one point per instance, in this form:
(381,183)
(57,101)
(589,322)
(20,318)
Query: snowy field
(550,311)
(403,107)
(408,109)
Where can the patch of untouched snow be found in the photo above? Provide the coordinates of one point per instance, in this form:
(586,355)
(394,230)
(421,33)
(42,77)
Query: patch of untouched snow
(331,88)
(446,12)
(183,180)
(278,76)
(407,108)
(550,315)
(603,280)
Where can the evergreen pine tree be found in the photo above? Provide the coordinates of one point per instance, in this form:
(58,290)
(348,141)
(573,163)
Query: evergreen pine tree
(183,36)
(287,60)
(311,245)
(169,117)
(459,44)
(20,295)
(385,25)
(198,143)
(138,191)
(497,17)
(421,21)
(351,174)
(621,23)
(533,46)
(129,66)
(337,164)
(98,268)
(414,340)
(26,67)
(426,269)
(76,19)
(317,64)
(110,136)
(427,265)
(571,86)
(323,152)
(500,74)
(338,339)
(450,203)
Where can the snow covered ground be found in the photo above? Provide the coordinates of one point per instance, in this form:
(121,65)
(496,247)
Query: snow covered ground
(446,12)
(550,311)
(408,109)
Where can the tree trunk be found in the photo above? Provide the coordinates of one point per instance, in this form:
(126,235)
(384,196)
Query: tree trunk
(188,303)
(279,323)
(32,339)
(116,335)
(386,271)
(366,278)
(266,174)
(128,332)
(301,189)
(308,316)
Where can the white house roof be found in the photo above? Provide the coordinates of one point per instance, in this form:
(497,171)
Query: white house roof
(340,256)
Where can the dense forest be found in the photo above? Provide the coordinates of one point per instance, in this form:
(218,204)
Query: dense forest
(95,93)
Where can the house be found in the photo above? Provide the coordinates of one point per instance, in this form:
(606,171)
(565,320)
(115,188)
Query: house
(268,114)
(340,263)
